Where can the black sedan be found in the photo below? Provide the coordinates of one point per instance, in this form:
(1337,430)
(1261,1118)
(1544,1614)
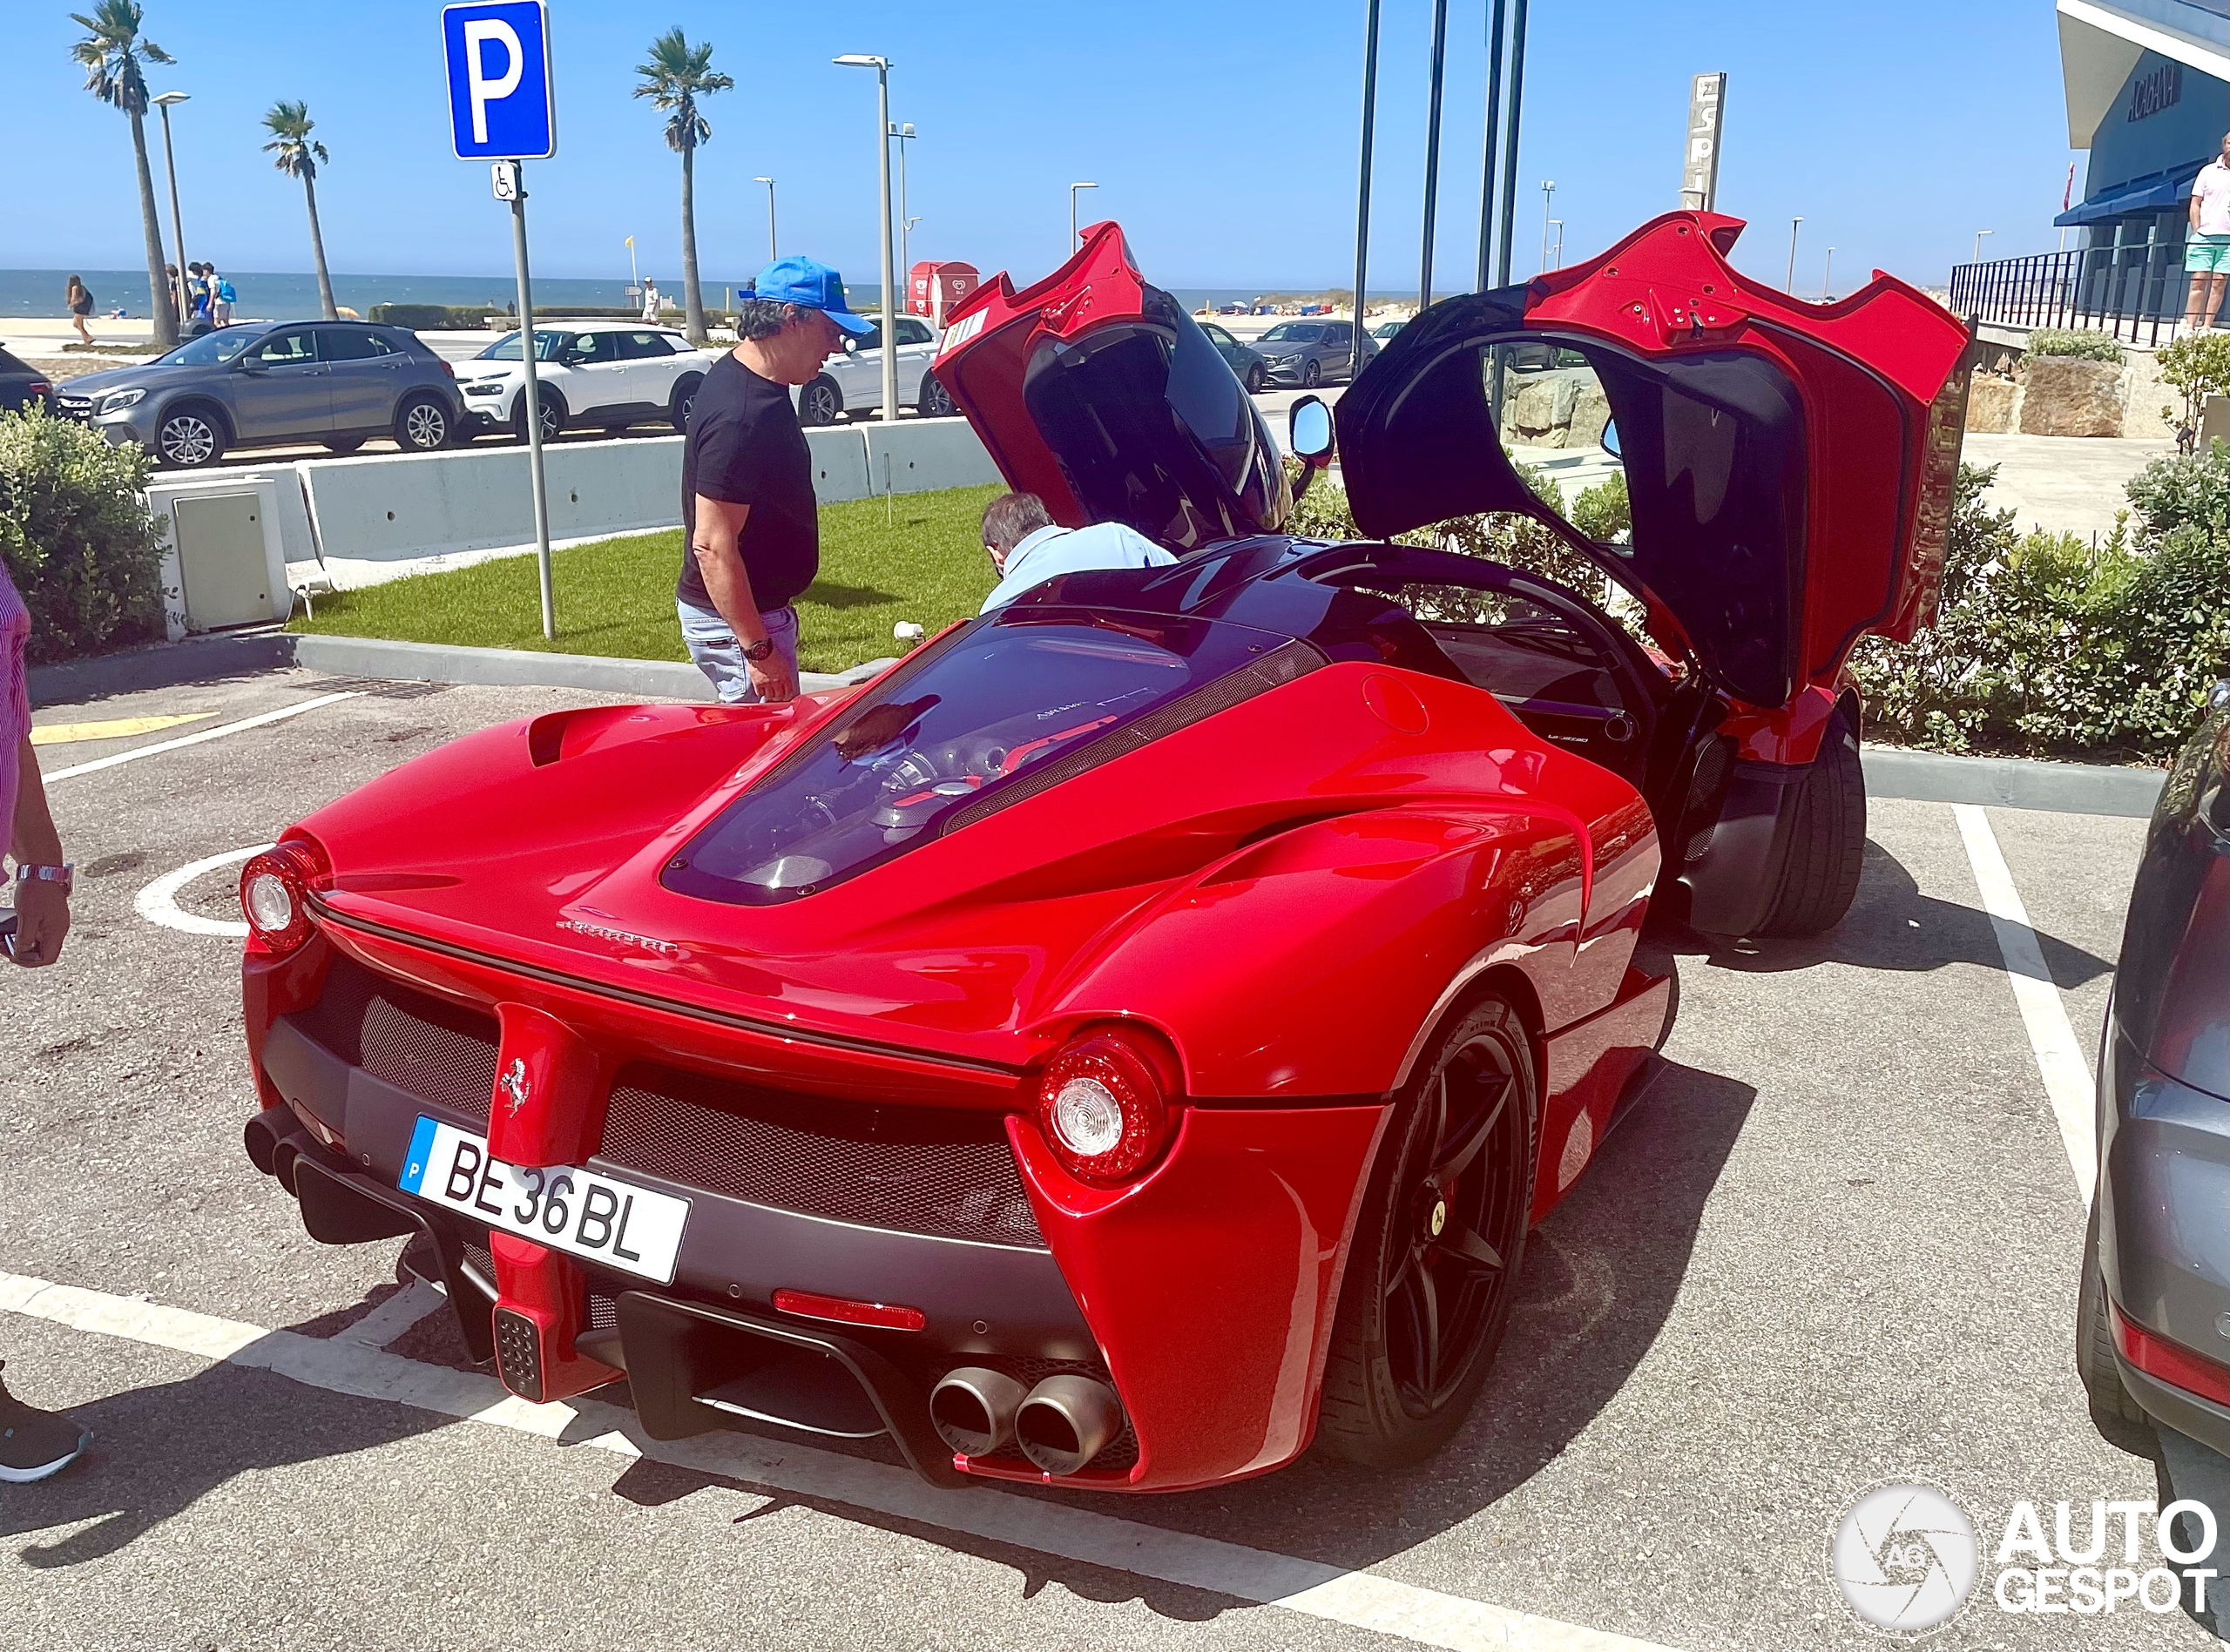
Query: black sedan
(2153,1337)
(22,384)
(265,382)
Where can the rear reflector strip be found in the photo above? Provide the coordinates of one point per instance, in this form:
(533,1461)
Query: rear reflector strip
(844,1311)
(2171,1363)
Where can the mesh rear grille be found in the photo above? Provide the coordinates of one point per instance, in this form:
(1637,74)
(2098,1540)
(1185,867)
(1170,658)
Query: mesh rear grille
(1273,670)
(435,1051)
(1707,791)
(916,1170)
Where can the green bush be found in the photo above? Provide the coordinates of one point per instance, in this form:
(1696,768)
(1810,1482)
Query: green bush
(2198,365)
(1602,512)
(2045,646)
(2091,345)
(77,537)
(434,318)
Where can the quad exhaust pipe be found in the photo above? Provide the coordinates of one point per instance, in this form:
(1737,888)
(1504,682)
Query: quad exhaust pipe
(1060,1426)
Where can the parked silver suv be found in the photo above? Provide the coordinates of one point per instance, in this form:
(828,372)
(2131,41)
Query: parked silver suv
(265,382)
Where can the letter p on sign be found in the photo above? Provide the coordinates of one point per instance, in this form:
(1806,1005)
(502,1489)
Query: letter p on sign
(501,105)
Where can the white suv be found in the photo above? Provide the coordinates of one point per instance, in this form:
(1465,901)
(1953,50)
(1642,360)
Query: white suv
(852,382)
(612,373)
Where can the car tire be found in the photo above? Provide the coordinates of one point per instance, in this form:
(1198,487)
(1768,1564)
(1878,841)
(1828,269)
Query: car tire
(1403,1369)
(1311,374)
(2094,1341)
(936,400)
(341,447)
(821,401)
(1257,377)
(422,424)
(553,415)
(684,397)
(191,437)
(1827,844)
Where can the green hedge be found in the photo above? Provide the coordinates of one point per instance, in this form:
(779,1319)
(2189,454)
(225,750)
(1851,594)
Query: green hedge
(77,537)
(2047,647)
(2083,342)
(434,318)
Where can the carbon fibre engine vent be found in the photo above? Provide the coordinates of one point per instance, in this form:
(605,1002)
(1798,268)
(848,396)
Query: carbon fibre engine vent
(437,1051)
(1273,670)
(915,1170)
(1707,791)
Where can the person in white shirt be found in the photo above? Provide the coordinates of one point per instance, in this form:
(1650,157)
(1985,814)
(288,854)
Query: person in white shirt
(649,300)
(1028,548)
(2206,252)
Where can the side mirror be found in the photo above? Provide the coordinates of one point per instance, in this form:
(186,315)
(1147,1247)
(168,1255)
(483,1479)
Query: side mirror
(254,364)
(851,345)
(1309,439)
(1611,441)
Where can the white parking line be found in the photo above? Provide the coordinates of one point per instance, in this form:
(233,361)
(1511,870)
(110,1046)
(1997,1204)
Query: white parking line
(2059,1057)
(396,1315)
(217,733)
(158,902)
(1360,1600)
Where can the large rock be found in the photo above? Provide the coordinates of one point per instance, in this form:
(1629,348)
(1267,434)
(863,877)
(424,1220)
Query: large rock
(2071,395)
(1993,405)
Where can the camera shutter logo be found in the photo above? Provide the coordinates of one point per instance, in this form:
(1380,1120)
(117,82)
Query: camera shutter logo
(1905,1557)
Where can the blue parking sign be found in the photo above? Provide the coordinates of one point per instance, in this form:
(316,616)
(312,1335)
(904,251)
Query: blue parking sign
(501,106)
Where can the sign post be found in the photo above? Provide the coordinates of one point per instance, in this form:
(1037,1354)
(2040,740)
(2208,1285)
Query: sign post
(1699,167)
(503,110)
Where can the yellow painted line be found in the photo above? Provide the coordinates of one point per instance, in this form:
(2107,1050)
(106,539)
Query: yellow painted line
(71,733)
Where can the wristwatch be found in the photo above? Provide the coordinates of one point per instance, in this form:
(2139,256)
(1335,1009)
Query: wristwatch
(760,650)
(63,875)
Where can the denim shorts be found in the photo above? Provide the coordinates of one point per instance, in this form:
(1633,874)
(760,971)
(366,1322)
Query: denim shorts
(711,642)
(2208,254)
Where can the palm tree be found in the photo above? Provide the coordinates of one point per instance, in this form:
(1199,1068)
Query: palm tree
(111,53)
(299,156)
(677,75)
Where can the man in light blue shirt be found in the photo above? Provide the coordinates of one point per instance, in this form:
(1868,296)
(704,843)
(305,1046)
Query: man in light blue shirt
(1028,548)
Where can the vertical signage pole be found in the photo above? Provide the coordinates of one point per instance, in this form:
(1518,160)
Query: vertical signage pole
(533,392)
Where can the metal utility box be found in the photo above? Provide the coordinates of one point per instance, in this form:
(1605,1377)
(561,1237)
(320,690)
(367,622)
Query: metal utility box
(222,565)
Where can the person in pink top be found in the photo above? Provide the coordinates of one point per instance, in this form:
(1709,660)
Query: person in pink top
(33,1443)
(2206,250)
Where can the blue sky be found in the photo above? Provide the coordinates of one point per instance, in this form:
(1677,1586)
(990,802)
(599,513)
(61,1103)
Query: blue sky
(1225,147)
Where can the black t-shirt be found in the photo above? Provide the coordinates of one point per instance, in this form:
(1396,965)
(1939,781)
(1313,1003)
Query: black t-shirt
(745,447)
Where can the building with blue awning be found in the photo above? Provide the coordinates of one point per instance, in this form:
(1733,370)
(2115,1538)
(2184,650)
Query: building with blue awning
(2148,95)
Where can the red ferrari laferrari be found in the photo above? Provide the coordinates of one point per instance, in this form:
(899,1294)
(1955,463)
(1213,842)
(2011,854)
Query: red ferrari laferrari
(1133,1036)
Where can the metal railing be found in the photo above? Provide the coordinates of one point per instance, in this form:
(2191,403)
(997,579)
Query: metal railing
(2135,292)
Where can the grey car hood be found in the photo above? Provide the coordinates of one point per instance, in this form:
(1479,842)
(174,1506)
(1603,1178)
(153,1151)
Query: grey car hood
(145,375)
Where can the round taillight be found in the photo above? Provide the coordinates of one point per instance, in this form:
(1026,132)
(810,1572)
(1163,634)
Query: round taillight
(275,894)
(1104,1106)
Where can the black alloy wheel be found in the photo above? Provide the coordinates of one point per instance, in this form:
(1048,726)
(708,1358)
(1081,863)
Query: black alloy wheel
(1434,1269)
(684,397)
(1311,374)
(189,438)
(936,401)
(422,425)
(819,402)
(553,415)
(1257,376)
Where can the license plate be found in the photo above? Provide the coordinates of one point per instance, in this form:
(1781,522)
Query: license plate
(577,1211)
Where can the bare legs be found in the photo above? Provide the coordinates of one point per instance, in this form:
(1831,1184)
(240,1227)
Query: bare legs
(2204,302)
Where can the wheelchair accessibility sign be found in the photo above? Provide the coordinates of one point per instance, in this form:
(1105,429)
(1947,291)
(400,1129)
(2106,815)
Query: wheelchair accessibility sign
(502,106)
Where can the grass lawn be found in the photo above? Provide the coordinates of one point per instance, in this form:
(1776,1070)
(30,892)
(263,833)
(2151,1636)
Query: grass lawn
(925,563)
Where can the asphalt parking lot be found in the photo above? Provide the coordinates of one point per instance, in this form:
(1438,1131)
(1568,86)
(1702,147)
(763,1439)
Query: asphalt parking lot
(1837,1244)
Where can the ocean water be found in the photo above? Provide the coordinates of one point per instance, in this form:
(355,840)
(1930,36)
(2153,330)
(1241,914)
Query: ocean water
(267,296)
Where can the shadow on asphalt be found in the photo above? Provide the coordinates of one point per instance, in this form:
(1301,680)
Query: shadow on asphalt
(1892,926)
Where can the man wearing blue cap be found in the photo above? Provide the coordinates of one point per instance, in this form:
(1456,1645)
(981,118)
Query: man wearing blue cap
(751,524)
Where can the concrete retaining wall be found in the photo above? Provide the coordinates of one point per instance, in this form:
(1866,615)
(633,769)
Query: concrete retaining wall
(403,508)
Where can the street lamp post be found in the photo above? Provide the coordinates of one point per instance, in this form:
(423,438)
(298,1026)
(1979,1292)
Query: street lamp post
(1362,183)
(1508,235)
(882,67)
(1827,278)
(162,101)
(904,135)
(771,254)
(1557,260)
(1978,242)
(1432,153)
(1791,283)
(1547,194)
(1073,188)
(1492,147)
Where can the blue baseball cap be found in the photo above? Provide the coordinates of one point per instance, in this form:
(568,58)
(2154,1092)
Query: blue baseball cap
(809,286)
